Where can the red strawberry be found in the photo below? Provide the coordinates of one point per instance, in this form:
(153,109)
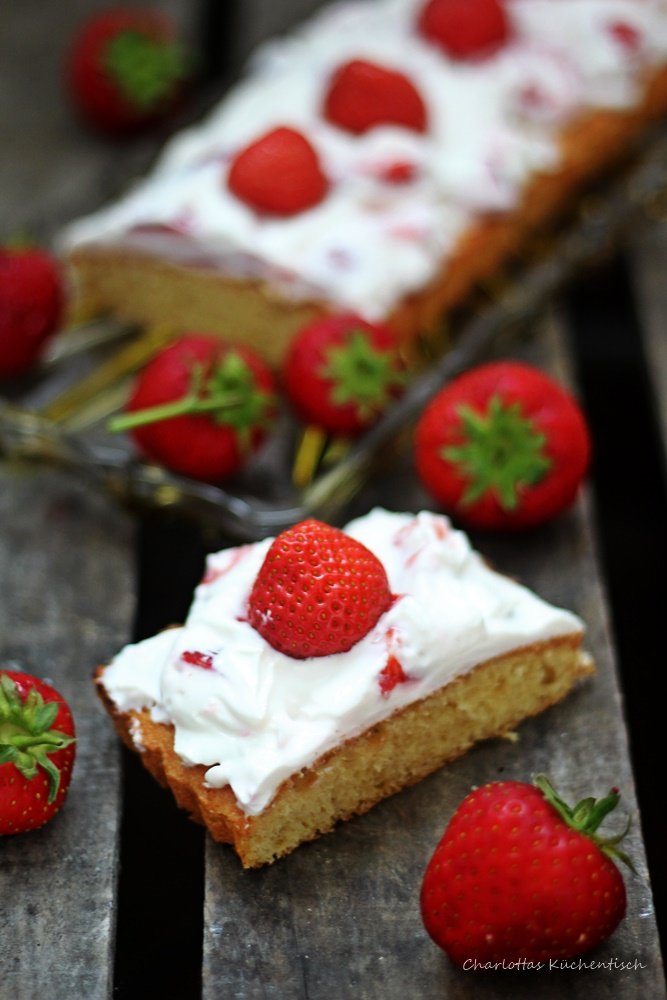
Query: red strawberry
(342,372)
(627,36)
(201,407)
(31,304)
(37,748)
(362,95)
(502,447)
(126,69)
(317,592)
(398,172)
(518,874)
(465,29)
(279,173)
(391,675)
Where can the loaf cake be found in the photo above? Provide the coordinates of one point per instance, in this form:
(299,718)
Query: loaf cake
(484,143)
(269,750)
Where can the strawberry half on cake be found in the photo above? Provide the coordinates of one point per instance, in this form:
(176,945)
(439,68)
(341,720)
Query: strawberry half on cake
(323,670)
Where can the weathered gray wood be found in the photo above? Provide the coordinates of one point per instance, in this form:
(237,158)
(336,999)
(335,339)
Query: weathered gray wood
(54,168)
(66,557)
(340,917)
(649,267)
(66,603)
(257,20)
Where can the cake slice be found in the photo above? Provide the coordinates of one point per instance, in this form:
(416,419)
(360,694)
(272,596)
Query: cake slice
(270,726)
(398,169)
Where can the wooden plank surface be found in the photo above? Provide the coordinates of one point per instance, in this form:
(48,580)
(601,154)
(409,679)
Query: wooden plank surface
(257,20)
(53,169)
(649,271)
(66,554)
(340,918)
(66,602)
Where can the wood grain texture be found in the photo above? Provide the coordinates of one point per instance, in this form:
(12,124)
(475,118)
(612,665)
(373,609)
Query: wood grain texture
(66,603)
(66,554)
(54,168)
(649,267)
(258,20)
(340,917)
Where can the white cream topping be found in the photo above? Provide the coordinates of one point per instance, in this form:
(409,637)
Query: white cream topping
(492,125)
(254,716)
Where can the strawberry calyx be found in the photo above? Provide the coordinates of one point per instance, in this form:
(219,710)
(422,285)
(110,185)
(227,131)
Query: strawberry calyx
(501,451)
(362,375)
(26,735)
(587,815)
(146,70)
(228,394)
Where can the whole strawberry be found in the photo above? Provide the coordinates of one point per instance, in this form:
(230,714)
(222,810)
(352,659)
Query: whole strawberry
(362,95)
(278,174)
(31,305)
(318,591)
(37,749)
(342,372)
(465,29)
(503,447)
(126,69)
(201,407)
(518,874)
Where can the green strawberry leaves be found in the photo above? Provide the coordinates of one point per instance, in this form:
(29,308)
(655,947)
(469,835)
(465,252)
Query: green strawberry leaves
(26,736)
(501,451)
(145,69)
(362,375)
(233,379)
(587,815)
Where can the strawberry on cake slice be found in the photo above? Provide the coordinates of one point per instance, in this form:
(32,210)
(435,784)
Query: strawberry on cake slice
(323,670)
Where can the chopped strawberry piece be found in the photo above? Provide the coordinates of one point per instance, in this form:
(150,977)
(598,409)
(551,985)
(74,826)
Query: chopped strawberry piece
(362,95)
(391,675)
(279,173)
(400,172)
(197,659)
(628,36)
(465,29)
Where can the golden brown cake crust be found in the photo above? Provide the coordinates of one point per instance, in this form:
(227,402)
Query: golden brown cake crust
(348,780)
(146,290)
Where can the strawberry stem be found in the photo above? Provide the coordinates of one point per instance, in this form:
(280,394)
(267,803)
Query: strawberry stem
(587,815)
(229,393)
(179,407)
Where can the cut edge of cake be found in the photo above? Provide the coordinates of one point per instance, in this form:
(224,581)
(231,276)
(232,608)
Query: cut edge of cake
(489,701)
